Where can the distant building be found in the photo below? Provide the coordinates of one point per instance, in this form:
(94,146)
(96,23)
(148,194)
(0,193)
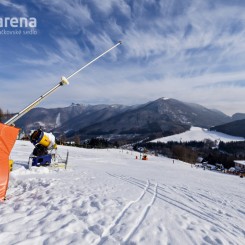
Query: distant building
(200,159)
(240,164)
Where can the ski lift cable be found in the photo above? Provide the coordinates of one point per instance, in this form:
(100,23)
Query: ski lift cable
(64,81)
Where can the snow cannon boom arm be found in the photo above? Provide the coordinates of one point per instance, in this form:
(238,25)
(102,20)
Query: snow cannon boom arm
(64,81)
(9,134)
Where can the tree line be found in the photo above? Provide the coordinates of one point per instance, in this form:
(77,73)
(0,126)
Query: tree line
(209,151)
(99,143)
(4,115)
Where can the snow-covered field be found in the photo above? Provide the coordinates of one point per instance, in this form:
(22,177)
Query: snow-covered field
(199,134)
(109,197)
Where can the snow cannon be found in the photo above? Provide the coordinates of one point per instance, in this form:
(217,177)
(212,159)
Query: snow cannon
(45,151)
(45,139)
(44,144)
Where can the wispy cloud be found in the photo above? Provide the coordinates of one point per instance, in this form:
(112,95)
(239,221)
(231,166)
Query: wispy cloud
(191,50)
(108,6)
(15,8)
(74,14)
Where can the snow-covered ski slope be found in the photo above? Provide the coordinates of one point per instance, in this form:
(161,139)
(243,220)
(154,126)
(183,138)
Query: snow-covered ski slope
(199,134)
(109,197)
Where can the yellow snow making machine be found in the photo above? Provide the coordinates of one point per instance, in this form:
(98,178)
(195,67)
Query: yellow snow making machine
(45,151)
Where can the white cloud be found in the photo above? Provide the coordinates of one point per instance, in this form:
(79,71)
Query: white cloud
(16,7)
(50,59)
(208,27)
(75,13)
(102,42)
(169,53)
(106,6)
(69,49)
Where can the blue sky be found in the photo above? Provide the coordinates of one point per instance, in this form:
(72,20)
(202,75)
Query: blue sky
(192,50)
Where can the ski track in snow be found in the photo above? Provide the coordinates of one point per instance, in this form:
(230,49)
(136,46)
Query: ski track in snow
(138,212)
(135,210)
(107,197)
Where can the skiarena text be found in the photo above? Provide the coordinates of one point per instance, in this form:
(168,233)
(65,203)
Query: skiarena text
(15,22)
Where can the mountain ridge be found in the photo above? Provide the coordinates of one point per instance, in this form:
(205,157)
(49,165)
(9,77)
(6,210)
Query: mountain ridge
(236,128)
(161,117)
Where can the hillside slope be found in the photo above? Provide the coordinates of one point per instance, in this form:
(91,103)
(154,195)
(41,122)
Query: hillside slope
(156,118)
(199,134)
(62,120)
(162,117)
(109,197)
(236,128)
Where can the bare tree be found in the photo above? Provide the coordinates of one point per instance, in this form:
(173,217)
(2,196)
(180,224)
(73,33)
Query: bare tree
(1,115)
(77,140)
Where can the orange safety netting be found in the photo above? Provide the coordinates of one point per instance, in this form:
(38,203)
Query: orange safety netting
(8,136)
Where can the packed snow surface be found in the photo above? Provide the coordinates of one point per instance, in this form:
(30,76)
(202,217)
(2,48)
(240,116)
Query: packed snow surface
(199,134)
(110,197)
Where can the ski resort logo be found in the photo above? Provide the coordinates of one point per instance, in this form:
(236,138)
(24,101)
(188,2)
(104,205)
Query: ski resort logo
(18,26)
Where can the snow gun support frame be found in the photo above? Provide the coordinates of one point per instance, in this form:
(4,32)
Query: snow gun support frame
(52,159)
(8,134)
